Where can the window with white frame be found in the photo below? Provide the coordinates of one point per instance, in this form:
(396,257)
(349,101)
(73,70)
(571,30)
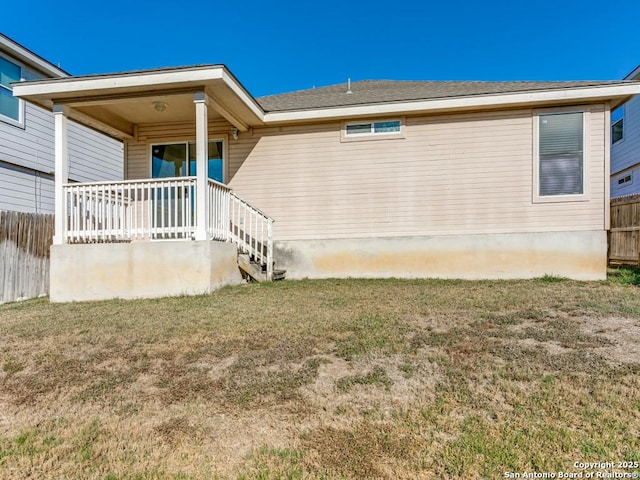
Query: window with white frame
(560,154)
(617,124)
(10,106)
(387,127)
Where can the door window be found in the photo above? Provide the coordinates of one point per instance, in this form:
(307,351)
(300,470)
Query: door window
(179,160)
(169,160)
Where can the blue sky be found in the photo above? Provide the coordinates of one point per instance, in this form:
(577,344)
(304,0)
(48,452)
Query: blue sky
(280,46)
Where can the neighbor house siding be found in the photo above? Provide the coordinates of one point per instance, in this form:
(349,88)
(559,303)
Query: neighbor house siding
(92,156)
(625,154)
(24,191)
(27,158)
(450,174)
(31,146)
(628,188)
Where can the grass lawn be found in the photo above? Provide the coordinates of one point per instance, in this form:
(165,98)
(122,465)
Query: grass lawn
(328,379)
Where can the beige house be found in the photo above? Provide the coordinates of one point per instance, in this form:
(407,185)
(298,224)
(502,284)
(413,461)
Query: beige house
(370,179)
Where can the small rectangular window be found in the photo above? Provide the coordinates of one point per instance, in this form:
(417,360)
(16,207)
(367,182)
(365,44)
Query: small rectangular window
(373,128)
(617,125)
(625,181)
(9,105)
(386,127)
(561,154)
(359,129)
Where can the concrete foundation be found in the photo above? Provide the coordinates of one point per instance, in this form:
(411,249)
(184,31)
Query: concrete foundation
(577,255)
(141,270)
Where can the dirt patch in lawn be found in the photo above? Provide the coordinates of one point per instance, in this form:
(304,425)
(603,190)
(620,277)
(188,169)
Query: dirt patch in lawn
(372,386)
(622,335)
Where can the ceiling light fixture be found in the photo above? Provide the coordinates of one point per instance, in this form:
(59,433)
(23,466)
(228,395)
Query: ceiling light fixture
(159,106)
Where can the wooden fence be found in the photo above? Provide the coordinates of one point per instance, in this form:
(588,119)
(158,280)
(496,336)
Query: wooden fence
(25,239)
(624,236)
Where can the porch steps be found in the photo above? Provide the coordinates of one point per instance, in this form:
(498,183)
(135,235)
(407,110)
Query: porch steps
(255,271)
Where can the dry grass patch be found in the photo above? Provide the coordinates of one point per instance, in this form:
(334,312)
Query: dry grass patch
(324,379)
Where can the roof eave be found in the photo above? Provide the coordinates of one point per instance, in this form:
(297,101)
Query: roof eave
(635,73)
(46,93)
(617,93)
(30,58)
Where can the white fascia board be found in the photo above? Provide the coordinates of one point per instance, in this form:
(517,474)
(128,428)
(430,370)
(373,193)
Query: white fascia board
(249,101)
(73,85)
(462,103)
(30,58)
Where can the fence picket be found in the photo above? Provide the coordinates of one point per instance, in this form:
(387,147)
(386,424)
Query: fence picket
(25,239)
(624,235)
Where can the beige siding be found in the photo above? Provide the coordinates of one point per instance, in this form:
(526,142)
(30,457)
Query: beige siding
(449,175)
(452,174)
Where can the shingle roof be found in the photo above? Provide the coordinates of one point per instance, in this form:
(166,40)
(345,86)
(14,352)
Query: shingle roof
(367,92)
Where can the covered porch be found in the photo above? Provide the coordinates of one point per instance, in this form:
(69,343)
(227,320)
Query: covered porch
(186,202)
(166,209)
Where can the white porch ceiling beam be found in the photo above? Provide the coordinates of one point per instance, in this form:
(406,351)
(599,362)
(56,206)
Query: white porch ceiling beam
(124,98)
(226,113)
(115,126)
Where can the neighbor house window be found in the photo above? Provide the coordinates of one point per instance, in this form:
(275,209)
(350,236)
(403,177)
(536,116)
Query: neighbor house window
(373,128)
(617,125)
(625,180)
(9,105)
(561,154)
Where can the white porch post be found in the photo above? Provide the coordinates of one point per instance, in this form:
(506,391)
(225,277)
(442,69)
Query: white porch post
(202,143)
(61,157)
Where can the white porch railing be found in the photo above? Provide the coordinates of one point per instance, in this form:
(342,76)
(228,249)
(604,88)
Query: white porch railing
(130,210)
(218,198)
(163,209)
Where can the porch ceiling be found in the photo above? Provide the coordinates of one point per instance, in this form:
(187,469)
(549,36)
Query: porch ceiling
(178,108)
(116,103)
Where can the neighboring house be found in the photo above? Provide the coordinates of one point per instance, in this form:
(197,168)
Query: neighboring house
(625,145)
(26,139)
(385,178)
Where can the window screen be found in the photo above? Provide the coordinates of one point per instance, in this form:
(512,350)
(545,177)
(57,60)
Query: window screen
(561,153)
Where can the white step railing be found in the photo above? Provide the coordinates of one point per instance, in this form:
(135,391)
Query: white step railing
(252,231)
(163,209)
